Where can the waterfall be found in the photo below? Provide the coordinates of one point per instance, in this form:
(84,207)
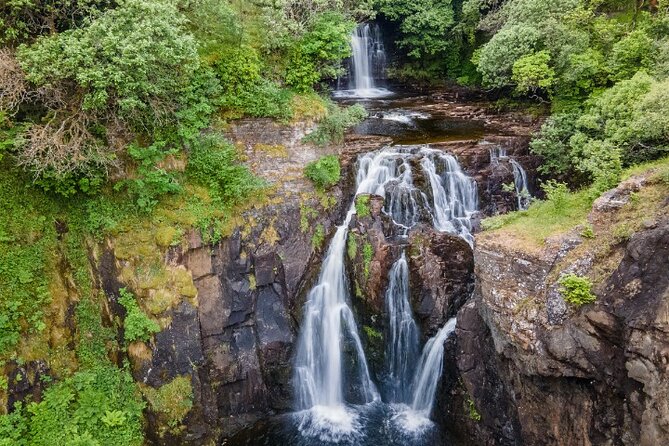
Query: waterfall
(402,342)
(455,195)
(523,196)
(329,329)
(520,182)
(368,63)
(429,370)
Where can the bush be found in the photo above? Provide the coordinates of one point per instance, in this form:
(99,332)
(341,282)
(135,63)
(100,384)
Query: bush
(240,72)
(137,325)
(214,163)
(557,194)
(576,290)
(319,51)
(331,129)
(151,181)
(325,172)
(532,73)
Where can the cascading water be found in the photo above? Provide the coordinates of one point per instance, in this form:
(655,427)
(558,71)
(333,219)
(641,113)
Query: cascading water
(523,196)
(448,199)
(520,182)
(402,342)
(429,370)
(368,63)
(328,321)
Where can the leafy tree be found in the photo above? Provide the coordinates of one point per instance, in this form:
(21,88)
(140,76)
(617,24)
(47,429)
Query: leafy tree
(533,73)
(632,53)
(424,24)
(319,51)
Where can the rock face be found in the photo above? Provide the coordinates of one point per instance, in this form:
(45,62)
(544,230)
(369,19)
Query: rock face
(441,276)
(540,371)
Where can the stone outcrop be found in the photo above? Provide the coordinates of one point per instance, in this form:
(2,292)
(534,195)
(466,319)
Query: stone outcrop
(540,371)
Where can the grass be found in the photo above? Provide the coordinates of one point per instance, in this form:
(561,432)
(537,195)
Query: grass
(530,228)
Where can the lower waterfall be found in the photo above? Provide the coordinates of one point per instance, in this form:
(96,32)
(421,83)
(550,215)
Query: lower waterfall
(330,356)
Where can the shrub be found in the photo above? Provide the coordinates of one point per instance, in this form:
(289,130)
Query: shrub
(325,172)
(214,163)
(557,194)
(576,290)
(331,128)
(151,181)
(137,325)
(533,72)
(318,52)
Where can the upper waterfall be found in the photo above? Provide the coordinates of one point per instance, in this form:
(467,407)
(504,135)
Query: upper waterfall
(367,64)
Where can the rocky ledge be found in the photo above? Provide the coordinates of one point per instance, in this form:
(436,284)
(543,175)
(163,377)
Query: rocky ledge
(533,369)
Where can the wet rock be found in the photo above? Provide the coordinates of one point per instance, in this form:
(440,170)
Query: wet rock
(594,375)
(442,276)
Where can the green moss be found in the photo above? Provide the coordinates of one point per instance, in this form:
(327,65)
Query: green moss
(367,255)
(319,237)
(171,402)
(362,209)
(307,213)
(351,246)
(324,172)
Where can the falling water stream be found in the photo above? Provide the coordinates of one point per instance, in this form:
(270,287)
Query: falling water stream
(367,65)
(330,356)
(520,184)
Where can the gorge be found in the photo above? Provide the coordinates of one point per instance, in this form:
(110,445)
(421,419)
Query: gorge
(337,243)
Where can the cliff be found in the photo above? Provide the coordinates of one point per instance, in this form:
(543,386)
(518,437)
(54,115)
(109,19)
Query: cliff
(534,369)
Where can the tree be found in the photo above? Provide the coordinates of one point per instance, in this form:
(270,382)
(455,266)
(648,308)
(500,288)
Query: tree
(532,73)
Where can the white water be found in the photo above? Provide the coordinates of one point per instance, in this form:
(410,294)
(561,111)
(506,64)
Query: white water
(329,328)
(429,370)
(523,196)
(520,182)
(402,342)
(402,116)
(415,417)
(369,58)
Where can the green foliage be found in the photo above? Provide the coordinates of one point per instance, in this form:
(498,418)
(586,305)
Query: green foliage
(362,206)
(331,129)
(214,163)
(631,54)
(424,24)
(474,414)
(576,290)
(318,238)
(137,325)
(240,72)
(151,181)
(352,246)
(94,407)
(317,54)
(172,401)
(372,334)
(129,61)
(532,73)
(557,194)
(367,255)
(588,232)
(324,172)
(23,20)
